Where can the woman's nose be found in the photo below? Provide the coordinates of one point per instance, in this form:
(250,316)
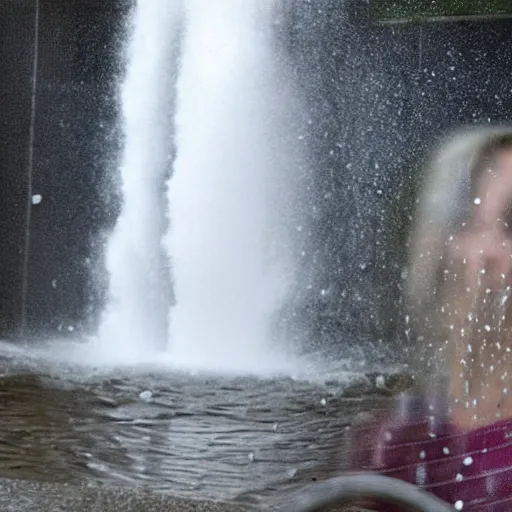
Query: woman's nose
(496,258)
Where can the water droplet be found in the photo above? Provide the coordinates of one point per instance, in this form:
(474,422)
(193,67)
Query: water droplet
(37,198)
(251,457)
(145,395)
(468,461)
(459,505)
(477,200)
(446,450)
(380,382)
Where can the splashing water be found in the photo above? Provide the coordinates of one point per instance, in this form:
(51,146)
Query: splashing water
(135,319)
(230,195)
(228,245)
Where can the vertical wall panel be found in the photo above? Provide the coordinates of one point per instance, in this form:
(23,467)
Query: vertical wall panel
(76,152)
(16,69)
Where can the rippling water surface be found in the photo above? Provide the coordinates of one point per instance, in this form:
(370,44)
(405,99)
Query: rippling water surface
(193,435)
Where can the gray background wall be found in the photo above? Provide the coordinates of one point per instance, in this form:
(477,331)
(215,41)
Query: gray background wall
(378,98)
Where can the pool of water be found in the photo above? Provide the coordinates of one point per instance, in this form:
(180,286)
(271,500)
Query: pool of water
(201,436)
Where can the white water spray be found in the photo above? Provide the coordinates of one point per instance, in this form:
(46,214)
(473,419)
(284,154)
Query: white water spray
(228,242)
(229,195)
(135,319)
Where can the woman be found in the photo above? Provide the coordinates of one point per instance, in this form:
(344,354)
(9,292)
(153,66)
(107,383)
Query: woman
(455,440)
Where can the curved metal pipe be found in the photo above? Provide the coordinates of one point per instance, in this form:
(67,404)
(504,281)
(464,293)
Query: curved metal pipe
(346,490)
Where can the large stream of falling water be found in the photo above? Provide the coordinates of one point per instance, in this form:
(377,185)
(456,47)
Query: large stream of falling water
(230,195)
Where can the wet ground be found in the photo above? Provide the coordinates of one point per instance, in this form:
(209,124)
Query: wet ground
(236,440)
(34,496)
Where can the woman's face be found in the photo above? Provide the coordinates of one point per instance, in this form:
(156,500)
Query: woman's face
(484,247)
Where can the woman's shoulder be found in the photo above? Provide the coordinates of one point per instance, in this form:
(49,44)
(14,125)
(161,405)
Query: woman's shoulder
(392,437)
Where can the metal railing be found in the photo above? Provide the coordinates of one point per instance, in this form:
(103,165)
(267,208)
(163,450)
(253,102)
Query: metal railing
(348,490)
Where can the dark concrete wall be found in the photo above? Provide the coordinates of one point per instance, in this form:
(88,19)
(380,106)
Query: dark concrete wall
(16,69)
(74,148)
(75,153)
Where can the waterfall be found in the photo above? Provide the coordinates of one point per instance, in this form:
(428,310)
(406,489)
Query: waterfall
(229,197)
